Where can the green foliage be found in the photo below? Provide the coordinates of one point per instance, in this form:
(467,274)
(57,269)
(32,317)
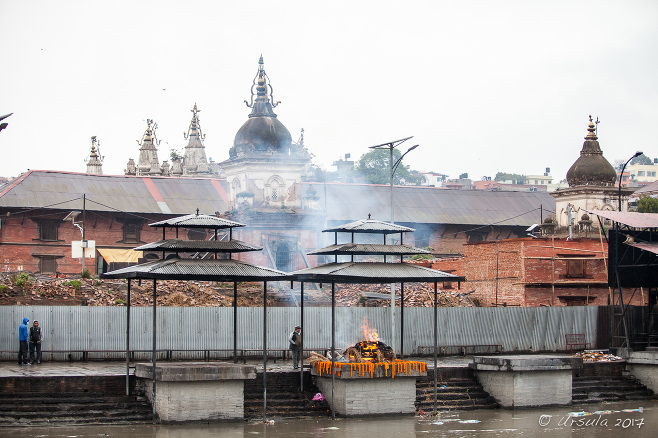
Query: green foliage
(85,274)
(119,302)
(77,284)
(22,280)
(503,176)
(642,159)
(424,256)
(175,155)
(3,288)
(97,282)
(647,204)
(374,166)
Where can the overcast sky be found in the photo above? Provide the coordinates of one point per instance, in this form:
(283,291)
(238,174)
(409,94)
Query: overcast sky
(483,86)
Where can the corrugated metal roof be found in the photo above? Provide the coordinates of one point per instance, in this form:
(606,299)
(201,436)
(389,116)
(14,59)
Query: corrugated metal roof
(195,269)
(199,245)
(646,246)
(372,272)
(157,195)
(368,249)
(197,221)
(648,190)
(415,204)
(369,226)
(630,218)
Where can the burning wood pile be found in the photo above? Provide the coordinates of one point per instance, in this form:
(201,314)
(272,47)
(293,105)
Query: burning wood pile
(370,356)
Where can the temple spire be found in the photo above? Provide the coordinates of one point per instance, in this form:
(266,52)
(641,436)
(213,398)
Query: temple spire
(95,160)
(264,103)
(148,151)
(195,161)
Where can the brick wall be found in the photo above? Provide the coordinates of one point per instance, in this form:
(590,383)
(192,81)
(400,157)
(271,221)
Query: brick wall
(535,272)
(20,243)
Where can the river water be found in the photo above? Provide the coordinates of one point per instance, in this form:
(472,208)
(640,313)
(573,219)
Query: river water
(605,420)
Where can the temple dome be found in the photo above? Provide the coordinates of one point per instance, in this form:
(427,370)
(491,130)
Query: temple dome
(591,168)
(262,135)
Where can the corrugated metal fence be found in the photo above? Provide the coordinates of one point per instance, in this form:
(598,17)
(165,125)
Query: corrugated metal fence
(69,328)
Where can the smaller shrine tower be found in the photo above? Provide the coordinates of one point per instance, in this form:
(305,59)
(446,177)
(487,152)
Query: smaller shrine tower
(95,160)
(195,162)
(148,163)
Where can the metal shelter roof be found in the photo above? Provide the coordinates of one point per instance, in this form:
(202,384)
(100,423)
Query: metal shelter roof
(417,204)
(135,194)
(646,246)
(196,269)
(198,221)
(369,226)
(629,218)
(372,272)
(199,245)
(368,249)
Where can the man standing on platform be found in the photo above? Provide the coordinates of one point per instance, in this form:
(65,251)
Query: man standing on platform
(36,337)
(22,340)
(295,340)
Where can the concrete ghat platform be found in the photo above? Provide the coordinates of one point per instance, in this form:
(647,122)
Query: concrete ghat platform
(528,380)
(644,366)
(196,391)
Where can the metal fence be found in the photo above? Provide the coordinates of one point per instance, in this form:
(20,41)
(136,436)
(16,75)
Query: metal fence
(69,328)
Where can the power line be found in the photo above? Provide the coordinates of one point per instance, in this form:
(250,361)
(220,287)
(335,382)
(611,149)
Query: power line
(496,223)
(45,206)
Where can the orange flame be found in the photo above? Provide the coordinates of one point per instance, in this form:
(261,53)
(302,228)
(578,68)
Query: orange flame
(369,333)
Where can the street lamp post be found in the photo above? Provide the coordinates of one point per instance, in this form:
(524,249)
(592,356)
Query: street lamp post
(617,233)
(621,174)
(392,168)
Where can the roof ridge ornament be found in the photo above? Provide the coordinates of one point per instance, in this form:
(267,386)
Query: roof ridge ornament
(195,125)
(262,105)
(591,129)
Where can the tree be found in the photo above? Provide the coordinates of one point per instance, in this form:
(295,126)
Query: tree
(647,204)
(503,176)
(374,166)
(175,155)
(641,159)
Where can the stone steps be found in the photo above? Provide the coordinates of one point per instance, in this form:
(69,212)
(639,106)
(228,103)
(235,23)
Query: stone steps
(608,388)
(452,394)
(68,400)
(283,397)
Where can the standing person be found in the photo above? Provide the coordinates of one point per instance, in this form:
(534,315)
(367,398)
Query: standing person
(295,340)
(36,337)
(22,340)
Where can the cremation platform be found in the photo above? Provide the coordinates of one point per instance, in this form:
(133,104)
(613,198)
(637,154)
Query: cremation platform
(369,388)
(528,380)
(192,391)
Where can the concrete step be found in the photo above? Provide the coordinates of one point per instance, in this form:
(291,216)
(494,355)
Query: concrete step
(608,388)
(124,418)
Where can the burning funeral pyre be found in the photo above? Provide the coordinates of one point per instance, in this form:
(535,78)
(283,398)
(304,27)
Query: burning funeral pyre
(367,357)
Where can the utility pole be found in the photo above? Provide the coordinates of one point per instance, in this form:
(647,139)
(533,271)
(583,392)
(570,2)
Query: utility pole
(84,241)
(392,167)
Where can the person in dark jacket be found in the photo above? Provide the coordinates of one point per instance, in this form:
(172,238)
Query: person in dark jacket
(22,340)
(295,341)
(36,337)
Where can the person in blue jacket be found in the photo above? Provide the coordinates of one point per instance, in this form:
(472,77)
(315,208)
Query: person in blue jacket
(22,339)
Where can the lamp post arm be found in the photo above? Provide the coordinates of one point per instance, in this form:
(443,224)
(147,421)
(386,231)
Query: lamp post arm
(621,174)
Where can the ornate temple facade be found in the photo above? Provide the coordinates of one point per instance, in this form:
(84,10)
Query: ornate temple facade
(265,167)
